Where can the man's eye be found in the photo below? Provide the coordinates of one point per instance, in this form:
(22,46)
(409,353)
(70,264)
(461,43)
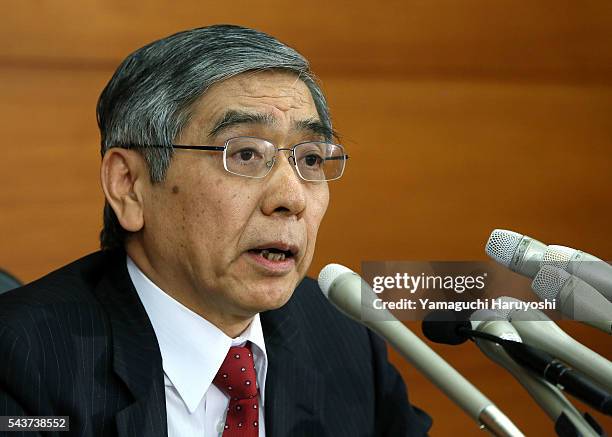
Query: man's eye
(313,160)
(246,155)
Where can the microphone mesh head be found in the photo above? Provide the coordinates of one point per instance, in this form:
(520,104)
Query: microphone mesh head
(502,244)
(548,282)
(328,274)
(557,256)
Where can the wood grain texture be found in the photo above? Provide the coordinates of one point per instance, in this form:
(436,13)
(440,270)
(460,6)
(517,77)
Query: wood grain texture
(436,165)
(460,117)
(551,39)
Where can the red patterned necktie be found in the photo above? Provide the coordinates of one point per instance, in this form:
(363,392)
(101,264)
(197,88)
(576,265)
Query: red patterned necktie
(237,379)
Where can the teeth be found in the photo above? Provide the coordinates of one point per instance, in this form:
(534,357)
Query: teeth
(272,256)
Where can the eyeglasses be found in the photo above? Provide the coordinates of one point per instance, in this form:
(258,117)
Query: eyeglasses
(254,158)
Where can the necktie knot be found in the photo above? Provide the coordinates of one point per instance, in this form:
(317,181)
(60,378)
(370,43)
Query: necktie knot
(236,376)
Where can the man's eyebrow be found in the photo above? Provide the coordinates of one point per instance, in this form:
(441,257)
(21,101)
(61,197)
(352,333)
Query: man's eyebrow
(316,127)
(235,118)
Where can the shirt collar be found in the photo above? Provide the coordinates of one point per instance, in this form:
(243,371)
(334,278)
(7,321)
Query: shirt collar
(192,348)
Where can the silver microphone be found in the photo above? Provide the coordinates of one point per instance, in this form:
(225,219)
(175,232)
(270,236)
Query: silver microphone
(351,294)
(518,252)
(549,397)
(596,272)
(526,255)
(537,330)
(575,298)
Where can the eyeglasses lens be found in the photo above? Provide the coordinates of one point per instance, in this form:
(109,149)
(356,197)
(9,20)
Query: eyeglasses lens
(253,157)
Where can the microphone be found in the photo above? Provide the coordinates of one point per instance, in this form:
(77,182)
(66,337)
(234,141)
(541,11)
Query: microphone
(545,394)
(547,367)
(518,252)
(589,268)
(576,298)
(537,330)
(350,293)
(525,255)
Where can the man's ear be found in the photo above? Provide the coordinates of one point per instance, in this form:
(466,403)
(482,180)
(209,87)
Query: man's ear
(124,175)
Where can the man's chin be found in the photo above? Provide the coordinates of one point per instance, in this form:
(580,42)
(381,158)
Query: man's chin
(269,296)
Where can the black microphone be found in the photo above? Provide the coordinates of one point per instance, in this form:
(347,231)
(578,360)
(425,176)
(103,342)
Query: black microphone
(445,328)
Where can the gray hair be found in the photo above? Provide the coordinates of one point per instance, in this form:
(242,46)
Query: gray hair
(148,100)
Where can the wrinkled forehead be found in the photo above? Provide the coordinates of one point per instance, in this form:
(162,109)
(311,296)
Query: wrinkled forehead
(283,89)
(273,99)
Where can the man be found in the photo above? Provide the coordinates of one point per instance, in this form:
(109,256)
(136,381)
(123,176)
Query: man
(217,149)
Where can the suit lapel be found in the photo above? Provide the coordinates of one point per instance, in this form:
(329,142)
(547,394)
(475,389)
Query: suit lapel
(136,355)
(294,391)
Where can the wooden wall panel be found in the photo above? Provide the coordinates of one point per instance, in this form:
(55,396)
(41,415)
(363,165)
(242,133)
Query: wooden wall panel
(437,165)
(568,39)
(50,200)
(460,117)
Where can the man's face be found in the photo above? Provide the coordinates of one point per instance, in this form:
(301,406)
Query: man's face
(204,228)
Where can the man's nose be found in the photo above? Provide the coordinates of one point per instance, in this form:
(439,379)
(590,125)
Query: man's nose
(285,190)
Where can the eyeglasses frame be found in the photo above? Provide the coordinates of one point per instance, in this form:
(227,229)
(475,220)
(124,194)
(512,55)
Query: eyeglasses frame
(278,149)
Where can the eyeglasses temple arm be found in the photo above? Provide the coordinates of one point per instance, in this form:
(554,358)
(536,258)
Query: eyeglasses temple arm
(336,158)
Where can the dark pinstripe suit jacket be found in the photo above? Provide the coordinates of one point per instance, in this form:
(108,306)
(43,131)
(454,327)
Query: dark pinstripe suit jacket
(78,343)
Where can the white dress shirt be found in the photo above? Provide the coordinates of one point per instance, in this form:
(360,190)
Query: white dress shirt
(193,350)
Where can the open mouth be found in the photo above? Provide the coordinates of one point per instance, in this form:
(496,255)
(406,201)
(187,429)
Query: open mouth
(273,254)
